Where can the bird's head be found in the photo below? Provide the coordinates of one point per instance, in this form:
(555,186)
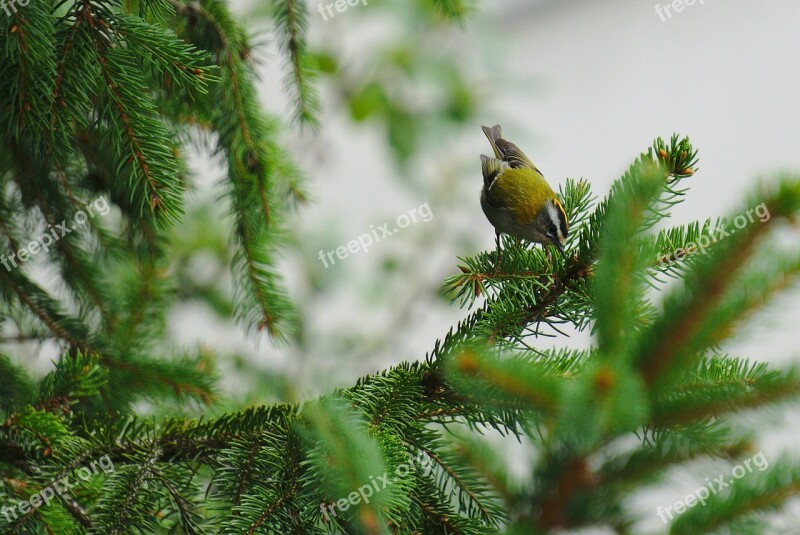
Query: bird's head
(554,219)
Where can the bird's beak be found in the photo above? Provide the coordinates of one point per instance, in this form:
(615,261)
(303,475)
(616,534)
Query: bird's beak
(560,247)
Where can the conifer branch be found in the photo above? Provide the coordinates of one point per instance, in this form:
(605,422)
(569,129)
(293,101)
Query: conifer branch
(291,19)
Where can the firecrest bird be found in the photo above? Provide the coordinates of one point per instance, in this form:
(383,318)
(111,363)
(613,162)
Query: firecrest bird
(516,198)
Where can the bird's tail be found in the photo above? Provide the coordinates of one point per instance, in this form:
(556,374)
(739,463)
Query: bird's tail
(506,151)
(493,134)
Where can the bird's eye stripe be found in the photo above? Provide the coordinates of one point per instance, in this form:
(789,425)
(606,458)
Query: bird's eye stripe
(561,208)
(563,222)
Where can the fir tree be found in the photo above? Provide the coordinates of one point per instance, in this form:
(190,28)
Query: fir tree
(98,100)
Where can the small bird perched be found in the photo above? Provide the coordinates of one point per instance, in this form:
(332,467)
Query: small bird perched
(516,198)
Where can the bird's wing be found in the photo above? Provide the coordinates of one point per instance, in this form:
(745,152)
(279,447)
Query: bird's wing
(491,167)
(523,192)
(507,151)
(514,156)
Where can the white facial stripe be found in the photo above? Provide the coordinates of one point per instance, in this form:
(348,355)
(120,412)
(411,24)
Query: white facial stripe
(552,212)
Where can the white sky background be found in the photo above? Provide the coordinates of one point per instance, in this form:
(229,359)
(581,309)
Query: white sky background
(582,87)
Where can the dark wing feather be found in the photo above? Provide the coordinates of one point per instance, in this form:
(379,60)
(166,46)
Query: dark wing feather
(514,156)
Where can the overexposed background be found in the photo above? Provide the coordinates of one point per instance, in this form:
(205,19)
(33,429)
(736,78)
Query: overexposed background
(582,87)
